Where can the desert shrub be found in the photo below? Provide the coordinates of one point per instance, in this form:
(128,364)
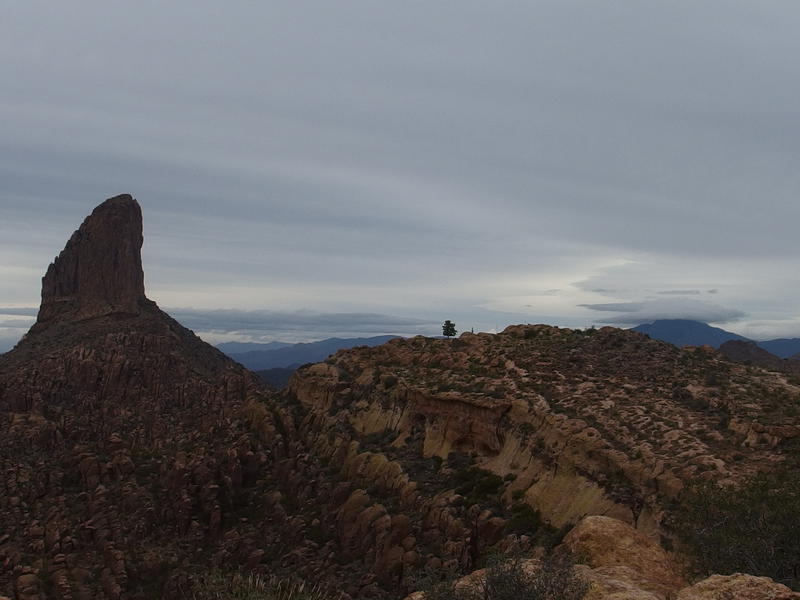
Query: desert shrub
(509,579)
(226,586)
(477,485)
(687,399)
(378,438)
(554,580)
(715,378)
(524,519)
(752,528)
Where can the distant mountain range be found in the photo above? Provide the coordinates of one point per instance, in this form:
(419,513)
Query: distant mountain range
(682,332)
(783,347)
(281,355)
(274,362)
(242,347)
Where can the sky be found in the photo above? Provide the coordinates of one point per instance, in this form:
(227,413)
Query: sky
(310,169)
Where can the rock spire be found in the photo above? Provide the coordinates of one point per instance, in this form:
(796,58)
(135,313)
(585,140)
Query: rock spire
(99,272)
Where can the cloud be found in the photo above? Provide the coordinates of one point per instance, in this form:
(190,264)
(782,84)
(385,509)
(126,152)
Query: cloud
(9,336)
(771,329)
(298,325)
(13,324)
(679,293)
(634,313)
(24,311)
(354,157)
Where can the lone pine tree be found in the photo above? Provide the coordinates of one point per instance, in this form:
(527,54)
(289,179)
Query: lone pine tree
(449,328)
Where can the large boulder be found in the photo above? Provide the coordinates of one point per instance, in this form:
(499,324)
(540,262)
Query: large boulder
(605,543)
(739,587)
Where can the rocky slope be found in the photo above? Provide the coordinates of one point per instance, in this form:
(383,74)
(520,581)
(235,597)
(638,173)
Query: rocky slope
(135,456)
(571,423)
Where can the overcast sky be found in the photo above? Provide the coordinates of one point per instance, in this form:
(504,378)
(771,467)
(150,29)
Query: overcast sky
(317,168)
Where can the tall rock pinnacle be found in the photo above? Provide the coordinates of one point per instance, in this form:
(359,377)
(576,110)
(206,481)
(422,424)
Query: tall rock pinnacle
(99,272)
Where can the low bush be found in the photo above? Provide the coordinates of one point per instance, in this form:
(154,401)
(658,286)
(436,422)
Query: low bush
(752,528)
(478,485)
(509,579)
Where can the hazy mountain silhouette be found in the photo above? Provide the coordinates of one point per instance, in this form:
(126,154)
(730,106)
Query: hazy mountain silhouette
(242,347)
(298,354)
(784,347)
(683,332)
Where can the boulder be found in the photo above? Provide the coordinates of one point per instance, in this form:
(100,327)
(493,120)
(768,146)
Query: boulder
(605,542)
(738,586)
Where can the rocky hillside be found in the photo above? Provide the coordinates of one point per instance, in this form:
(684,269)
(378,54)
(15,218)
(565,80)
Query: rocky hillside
(570,423)
(136,461)
(134,456)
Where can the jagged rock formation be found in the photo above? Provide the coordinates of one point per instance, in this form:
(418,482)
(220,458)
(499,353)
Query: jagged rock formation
(118,426)
(133,455)
(99,272)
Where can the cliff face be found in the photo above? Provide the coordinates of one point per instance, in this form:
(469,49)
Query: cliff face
(99,272)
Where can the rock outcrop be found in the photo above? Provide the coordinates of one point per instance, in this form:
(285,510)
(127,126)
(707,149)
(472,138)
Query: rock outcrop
(619,563)
(99,272)
(131,450)
(605,544)
(738,586)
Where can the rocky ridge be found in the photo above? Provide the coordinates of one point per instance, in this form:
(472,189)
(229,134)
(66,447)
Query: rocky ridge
(575,423)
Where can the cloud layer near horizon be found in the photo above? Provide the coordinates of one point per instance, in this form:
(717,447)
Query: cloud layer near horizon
(635,313)
(494,164)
